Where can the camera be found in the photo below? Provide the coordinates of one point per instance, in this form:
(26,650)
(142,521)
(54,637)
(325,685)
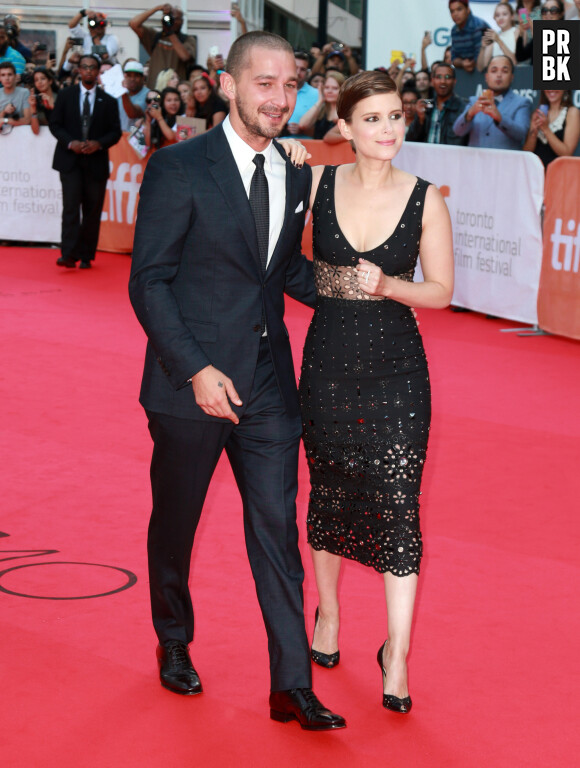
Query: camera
(41,47)
(429,103)
(77,40)
(168,20)
(337,47)
(11,26)
(98,23)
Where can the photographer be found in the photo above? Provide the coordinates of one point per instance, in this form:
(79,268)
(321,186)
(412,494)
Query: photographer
(8,54)
(434,118)
(14,107)
(95,39)
(12,27)
(499,118)
(169,48)
(161,117)
(42,98)
(334,56)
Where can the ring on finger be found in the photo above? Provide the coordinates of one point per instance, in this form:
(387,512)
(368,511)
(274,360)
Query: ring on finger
(367,277)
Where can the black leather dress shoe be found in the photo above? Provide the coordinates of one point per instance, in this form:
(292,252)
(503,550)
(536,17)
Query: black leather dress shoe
(69,263)
(85,265)
(301,704)
(176,671)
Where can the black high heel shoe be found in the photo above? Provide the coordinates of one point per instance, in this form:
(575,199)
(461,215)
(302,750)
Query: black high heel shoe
(394,703)
(326,660)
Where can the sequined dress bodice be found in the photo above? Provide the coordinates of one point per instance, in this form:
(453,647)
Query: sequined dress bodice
(365,397)
(335,259)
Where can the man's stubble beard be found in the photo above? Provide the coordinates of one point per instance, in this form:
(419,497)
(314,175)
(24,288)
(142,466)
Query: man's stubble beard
(253,126)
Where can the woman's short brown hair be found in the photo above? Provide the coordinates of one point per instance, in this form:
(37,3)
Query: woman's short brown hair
(361,86)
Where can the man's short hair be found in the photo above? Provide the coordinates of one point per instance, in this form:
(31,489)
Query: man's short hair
(500,56)
(92,56)
(8,65)
(438,64)
(238,55)
(302,55)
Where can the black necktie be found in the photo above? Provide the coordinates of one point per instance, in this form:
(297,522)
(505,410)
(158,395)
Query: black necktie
(86,116)
(260,205)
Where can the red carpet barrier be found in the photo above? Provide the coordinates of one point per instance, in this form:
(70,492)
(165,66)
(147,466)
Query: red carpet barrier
(498,246)
(559,291)
(120,209)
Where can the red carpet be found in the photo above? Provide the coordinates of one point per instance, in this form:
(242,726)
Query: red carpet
(494,669)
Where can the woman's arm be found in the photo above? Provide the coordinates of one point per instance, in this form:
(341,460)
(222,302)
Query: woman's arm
(309,118)
(217,118)
(34,124)
(316,176)
(485,50)
(408,65)
(565,147)
(168,133)
(436,256)
(532,137)
(333,136)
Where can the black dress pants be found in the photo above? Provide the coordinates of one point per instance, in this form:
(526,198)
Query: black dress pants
(81,192)
(263,452)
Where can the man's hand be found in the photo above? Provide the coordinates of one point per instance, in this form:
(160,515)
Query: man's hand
(77,147)
(420,110)
(91,146)
(468,65)
(211,389)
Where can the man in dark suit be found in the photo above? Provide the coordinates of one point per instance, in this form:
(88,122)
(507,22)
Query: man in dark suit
(217,245)
(85,122)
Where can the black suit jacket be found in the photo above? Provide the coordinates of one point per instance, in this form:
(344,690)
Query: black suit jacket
(453,108)
(196,282)
(66,126)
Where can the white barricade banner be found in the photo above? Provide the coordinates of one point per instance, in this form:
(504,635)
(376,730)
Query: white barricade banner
(30,191)
(494,199)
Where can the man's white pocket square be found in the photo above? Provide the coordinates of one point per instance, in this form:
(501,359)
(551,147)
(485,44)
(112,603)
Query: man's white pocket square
(300,207)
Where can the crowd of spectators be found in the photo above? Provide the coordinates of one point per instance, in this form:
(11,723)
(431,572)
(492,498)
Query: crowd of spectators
(498,117)
(152,97)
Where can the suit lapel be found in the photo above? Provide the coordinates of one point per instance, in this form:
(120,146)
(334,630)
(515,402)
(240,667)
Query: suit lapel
(226,175)
(289,207)
(76,95)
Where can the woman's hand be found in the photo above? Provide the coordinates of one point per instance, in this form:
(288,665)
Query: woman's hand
(540,120)
(296,151)
(371,278)
(489,37)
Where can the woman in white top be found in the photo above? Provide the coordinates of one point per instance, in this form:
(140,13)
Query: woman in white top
(502,43)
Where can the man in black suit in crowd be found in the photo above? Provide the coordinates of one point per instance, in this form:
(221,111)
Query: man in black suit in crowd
(85,122)
(217,245)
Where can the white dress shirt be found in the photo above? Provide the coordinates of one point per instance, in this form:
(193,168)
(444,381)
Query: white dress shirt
(275,169)
(92,96)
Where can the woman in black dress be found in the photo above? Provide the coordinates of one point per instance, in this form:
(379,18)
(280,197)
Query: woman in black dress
(205,103)
(554,127)
(322,117)
(364,386)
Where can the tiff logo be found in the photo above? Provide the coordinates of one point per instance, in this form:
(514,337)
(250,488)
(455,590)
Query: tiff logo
(556,55)
(571,243)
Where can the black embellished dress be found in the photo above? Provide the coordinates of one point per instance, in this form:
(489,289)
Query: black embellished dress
(365,397)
